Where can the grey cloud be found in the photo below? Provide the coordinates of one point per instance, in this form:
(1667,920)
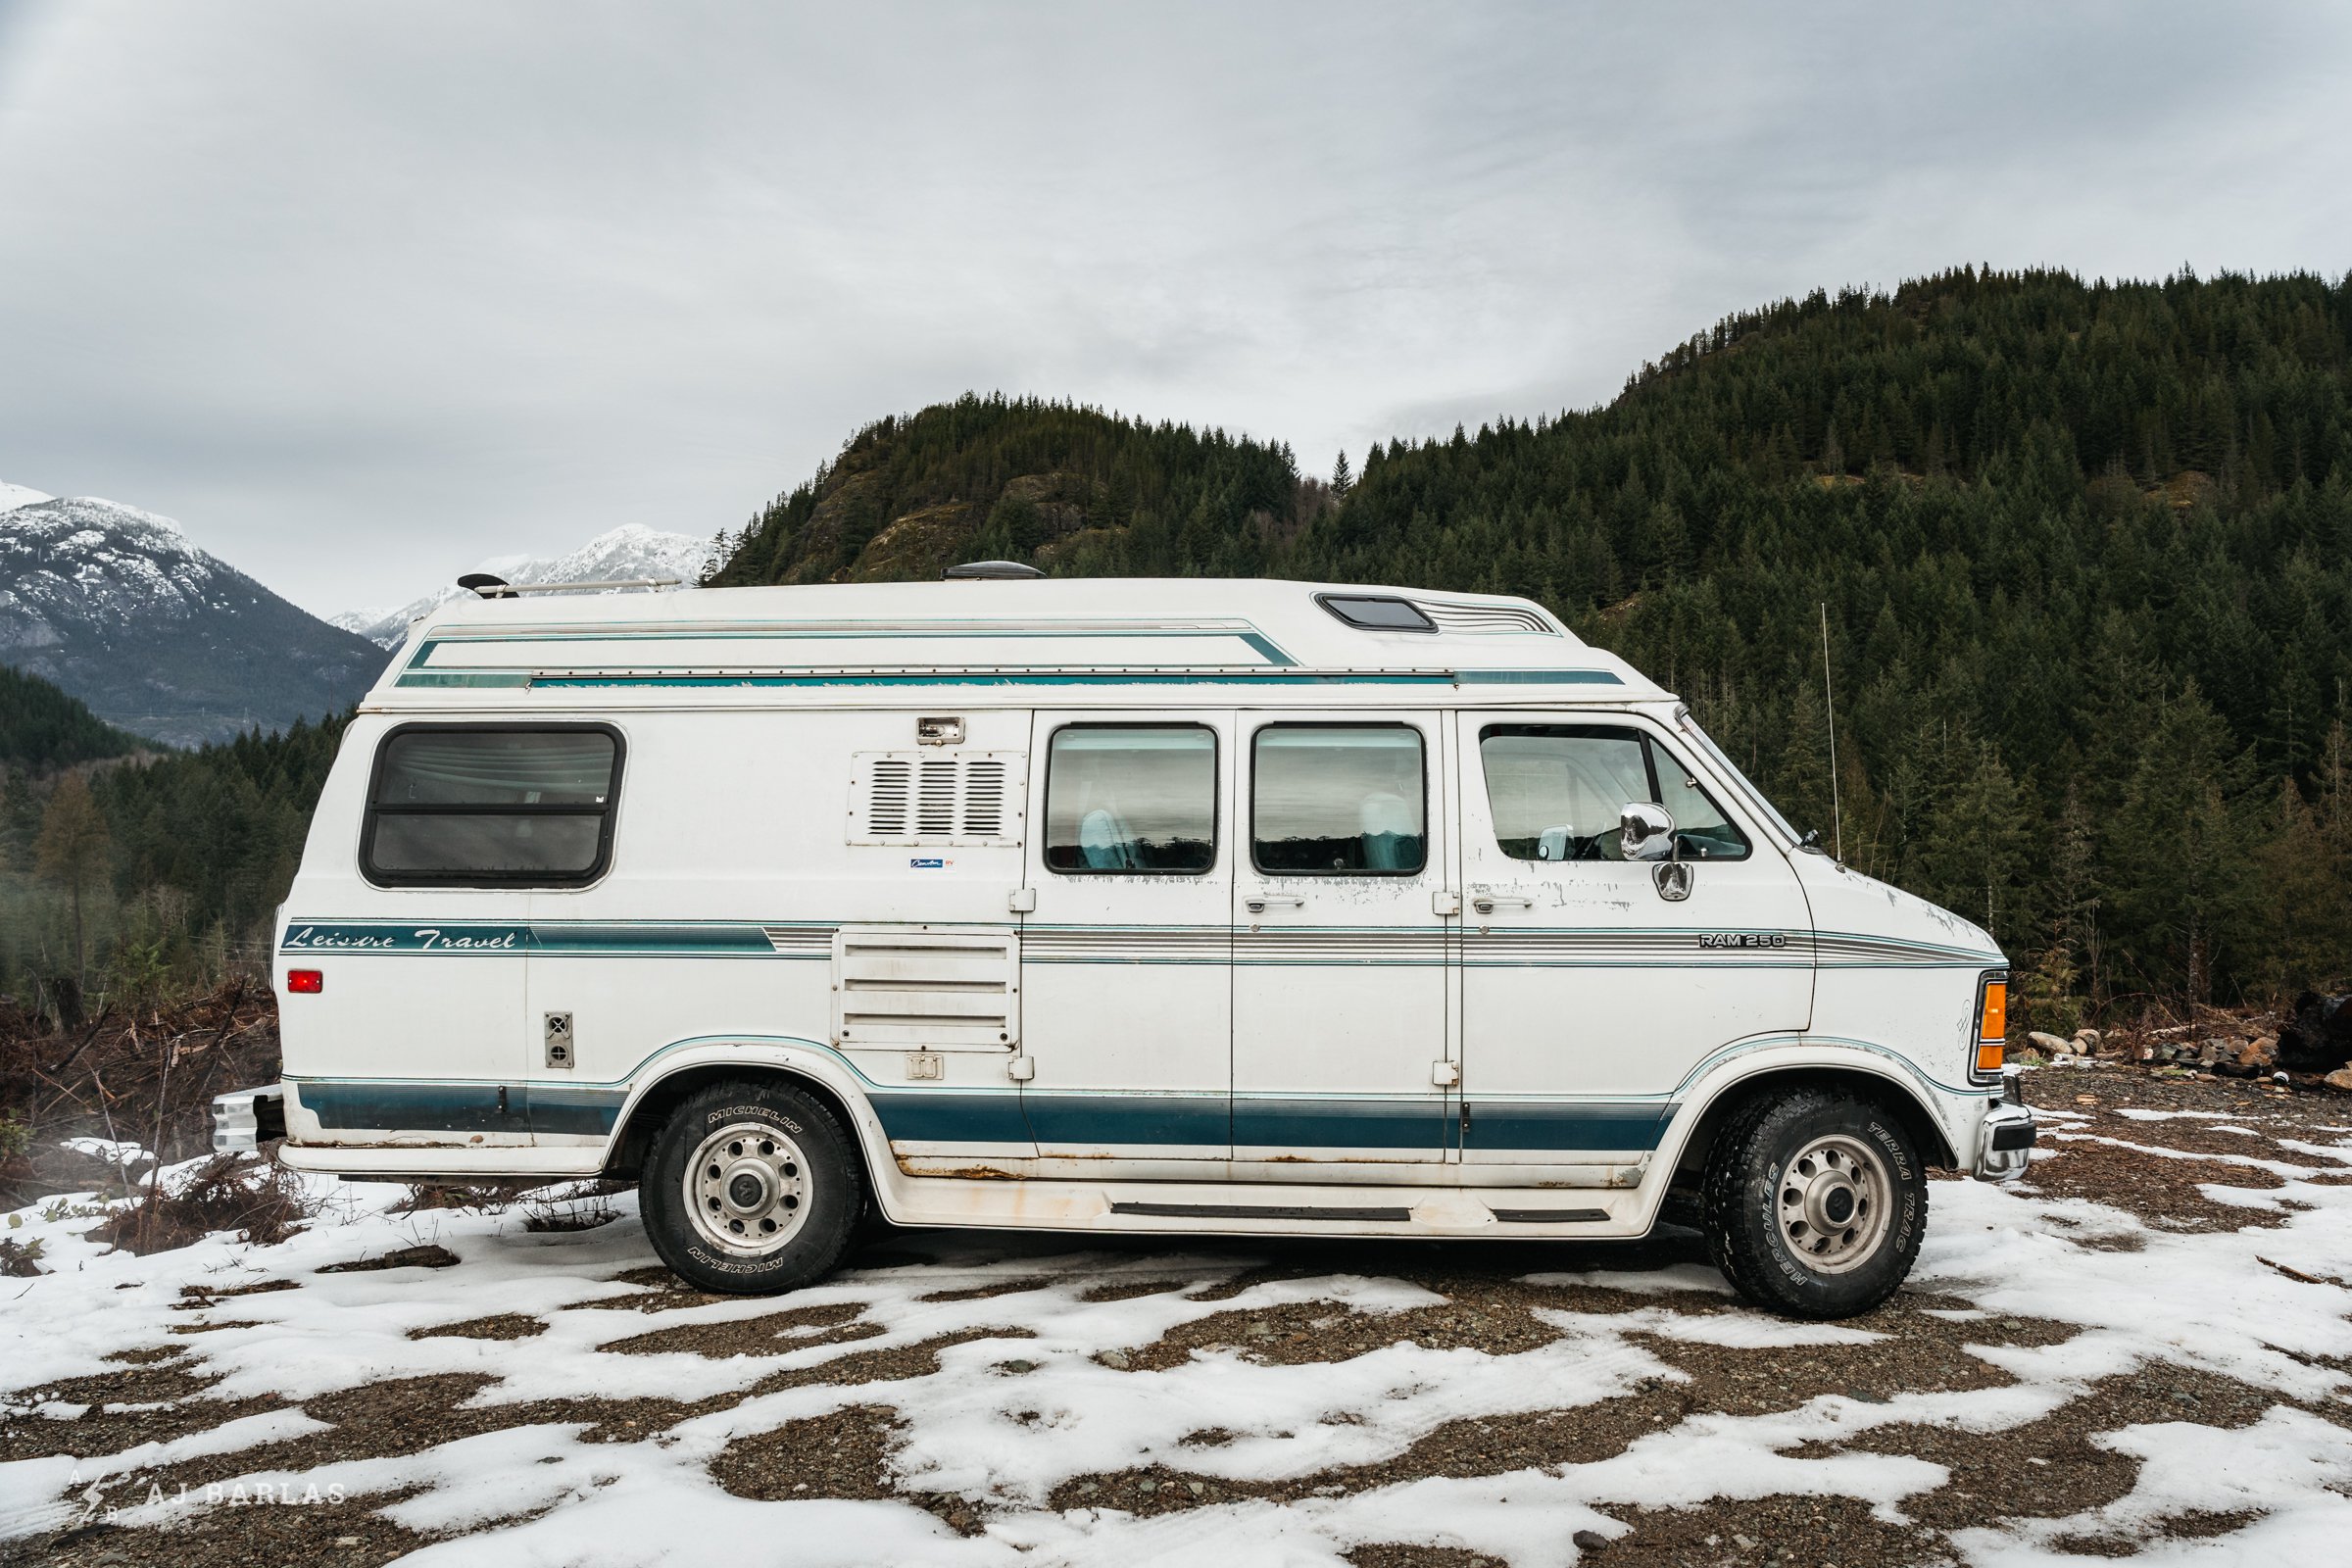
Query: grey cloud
(364,293)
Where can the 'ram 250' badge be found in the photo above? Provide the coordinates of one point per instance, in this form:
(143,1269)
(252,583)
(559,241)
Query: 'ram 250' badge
(1742,939)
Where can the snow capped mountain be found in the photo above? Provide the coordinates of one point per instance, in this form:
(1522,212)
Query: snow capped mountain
(628,553)
(116,607)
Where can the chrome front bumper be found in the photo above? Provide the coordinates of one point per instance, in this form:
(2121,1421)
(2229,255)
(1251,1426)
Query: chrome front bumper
(2005,1142)
(247,1119)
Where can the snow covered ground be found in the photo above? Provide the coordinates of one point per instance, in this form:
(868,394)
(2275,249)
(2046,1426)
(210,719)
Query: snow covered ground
(2149,1357)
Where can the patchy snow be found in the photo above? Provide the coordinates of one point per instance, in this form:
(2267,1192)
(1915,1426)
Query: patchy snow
(1029,1393)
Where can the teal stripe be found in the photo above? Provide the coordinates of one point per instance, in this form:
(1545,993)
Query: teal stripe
(1235,677)
(1536,677)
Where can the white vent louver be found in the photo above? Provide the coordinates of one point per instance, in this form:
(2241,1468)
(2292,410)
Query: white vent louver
(1486,618)
(896,989)
(925,798)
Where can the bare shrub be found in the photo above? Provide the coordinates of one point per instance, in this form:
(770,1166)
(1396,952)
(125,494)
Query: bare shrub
(244,1193)
(581,1209)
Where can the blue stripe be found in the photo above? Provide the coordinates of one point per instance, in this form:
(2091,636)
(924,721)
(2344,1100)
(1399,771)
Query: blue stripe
(1303,1122)
(1498,1125)
(1138,1120)
(573,1112)
(950,1117)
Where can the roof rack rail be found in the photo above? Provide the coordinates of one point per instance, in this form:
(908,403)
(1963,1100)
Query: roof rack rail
(489,587)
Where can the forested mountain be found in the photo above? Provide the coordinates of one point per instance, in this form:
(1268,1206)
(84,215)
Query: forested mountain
(2084,553)
(147,874)
(42,729)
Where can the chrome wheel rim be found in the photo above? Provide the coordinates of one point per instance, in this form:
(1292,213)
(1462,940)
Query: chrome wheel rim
(1836,1203)
(747,1188)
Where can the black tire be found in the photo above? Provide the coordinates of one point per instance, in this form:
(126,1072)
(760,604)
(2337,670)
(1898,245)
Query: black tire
(1775,1222)
(811,1189)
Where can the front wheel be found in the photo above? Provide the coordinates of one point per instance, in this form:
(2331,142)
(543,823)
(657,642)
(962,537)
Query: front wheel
(1815,1203)
(752,1188)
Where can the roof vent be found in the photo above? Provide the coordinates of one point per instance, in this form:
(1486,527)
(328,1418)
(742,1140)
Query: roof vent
(1376,611)
(990,571)
(489,587)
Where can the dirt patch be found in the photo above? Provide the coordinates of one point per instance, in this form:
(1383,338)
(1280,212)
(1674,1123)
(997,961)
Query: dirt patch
(348,1535)
(160,1397)
(408,1415)
(842,1455)
(427,1255)
(501,1326)
(196,1297)
(771,1335)
(2164,1193)
(1391,1556)
(1130,1290)
(664,1292)
(919,1360)
(1787,1530)
(983,1293)
(1328,1332)
(2198,1526)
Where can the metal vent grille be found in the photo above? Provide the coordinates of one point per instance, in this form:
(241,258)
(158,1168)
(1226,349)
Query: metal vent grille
(896,989)
(1488,618)
(924,798)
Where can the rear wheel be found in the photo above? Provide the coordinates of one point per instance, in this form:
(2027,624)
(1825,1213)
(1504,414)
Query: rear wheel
(752,1188)
(1815,1203)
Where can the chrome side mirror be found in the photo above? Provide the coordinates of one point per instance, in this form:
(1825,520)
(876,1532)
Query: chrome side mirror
(1644,831)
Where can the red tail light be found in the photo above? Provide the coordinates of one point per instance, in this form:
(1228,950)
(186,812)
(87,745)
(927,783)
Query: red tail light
(305,982)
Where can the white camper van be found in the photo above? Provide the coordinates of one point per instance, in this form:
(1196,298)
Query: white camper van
(1178,907)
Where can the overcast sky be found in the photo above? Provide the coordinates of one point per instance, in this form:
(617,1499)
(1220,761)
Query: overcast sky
(363,293)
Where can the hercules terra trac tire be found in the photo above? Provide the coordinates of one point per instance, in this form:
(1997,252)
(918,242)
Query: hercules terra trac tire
(752,1188)
(1815,1203)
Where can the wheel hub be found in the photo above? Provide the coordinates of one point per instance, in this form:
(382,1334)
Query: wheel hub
(1835,1203)
(747,1188)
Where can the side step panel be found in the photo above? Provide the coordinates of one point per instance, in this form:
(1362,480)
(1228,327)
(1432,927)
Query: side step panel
(1386,1216)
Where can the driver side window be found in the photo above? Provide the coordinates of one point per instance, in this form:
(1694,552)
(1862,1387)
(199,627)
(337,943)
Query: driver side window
(1555,792)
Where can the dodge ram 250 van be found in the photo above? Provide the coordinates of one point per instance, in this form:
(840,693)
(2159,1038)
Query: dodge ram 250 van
(1187,906)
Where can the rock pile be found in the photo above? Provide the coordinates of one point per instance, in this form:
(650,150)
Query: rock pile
(2314,1042)
(2319,1037)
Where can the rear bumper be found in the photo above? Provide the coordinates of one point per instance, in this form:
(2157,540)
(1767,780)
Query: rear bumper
(247,1119)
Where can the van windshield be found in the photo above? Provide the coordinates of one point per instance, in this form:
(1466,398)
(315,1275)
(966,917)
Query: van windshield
(1731,770)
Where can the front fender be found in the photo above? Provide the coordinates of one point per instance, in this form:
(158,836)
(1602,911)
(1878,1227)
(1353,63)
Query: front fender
(1705,1094)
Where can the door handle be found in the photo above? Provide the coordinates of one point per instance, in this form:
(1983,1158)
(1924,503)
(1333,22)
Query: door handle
(1256,903)
(1485,903)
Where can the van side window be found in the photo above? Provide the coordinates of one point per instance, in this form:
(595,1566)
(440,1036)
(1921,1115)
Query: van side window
(1555,792)
(491,805)
(1133,799)
(1338,800)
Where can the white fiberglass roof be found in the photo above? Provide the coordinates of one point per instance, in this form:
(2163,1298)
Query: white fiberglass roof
(1053,629)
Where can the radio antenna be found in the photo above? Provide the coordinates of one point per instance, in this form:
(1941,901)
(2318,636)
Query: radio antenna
(1829,700)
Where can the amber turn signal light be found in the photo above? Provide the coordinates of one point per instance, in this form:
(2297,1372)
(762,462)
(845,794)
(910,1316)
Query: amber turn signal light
(1992,1026)
(305,982)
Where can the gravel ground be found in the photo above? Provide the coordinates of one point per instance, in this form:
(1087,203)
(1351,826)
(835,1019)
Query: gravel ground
(1707,1366)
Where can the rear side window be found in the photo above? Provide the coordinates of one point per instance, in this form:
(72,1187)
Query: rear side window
(1338,800)
(490,805)
(1556,791)
(1131,799)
